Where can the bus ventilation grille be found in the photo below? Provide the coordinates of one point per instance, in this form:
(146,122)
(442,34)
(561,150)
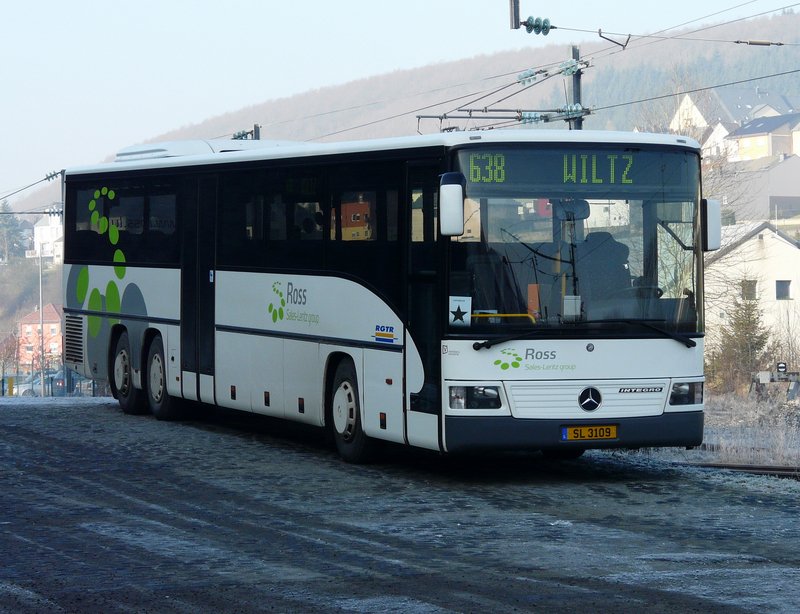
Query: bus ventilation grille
(73,338)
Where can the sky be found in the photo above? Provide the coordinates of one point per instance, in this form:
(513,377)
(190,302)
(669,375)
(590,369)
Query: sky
(82,79)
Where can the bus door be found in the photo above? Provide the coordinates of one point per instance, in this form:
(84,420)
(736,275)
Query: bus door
(197,291)
(424,330)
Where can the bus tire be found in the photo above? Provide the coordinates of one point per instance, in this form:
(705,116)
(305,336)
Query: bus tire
(162,405)
(121,380)
(344,416)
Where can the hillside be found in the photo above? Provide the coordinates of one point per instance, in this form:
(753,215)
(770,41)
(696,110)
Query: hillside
(387,105)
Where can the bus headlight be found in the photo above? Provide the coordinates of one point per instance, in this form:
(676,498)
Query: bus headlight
(686,393)
(475,397)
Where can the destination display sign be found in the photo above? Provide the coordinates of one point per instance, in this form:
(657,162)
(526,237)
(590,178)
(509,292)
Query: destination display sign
(582,168)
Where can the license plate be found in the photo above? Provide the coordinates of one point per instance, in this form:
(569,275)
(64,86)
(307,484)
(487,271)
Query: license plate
(588,433)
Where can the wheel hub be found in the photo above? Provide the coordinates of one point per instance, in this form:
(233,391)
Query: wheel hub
(122,372)
(344,410)
(156,378)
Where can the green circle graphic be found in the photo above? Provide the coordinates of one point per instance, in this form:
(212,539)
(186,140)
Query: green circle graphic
(277,310)
(82,287)
(119,266)
(113,302)
(95,304)
(513,362)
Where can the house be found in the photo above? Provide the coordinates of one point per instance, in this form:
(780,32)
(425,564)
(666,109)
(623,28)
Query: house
(48,239)
(712,116)
(757,261)
(714,141)
(766,136)
(30,341)
(727,105)
(753,168)
(761,189)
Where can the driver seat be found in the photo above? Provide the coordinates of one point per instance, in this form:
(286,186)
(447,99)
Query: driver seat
(601,263)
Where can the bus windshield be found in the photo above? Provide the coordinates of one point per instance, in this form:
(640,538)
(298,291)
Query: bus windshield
(558,236)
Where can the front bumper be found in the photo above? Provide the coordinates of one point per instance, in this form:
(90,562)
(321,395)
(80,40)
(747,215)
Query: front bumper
(473,433)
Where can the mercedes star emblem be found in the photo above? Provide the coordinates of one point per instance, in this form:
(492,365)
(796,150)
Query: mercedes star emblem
(589,399)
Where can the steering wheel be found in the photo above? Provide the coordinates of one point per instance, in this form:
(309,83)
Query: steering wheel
(639,292)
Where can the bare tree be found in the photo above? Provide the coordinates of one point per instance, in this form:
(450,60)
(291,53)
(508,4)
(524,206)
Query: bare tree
(785,344)
(9,354)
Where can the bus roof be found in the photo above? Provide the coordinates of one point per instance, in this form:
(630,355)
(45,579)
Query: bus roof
(177,154)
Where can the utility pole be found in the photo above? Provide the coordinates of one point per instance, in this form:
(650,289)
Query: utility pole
(41,324)
(513,7)
(572,112)
(577,123)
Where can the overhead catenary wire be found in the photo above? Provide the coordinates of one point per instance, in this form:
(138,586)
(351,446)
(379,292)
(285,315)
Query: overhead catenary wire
(615,48)
(378,121)
(515,72)
(649,39)
(48,177)
(671,95)
(644,40)
(698,40)
(483,93)
(698,89)
(658,39)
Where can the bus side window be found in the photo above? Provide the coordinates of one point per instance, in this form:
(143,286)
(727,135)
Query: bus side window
(307,219)
(417,217)
(254,219)
(241,234)
(424,205)
(162,215)
(276,218)
(127,215)
(357,216)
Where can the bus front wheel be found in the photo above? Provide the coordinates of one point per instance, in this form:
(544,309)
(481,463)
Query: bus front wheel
(129,397)
(344,416)
(162,405)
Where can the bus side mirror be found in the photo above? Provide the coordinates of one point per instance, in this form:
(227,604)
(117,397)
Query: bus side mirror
(451,204)
(711,221)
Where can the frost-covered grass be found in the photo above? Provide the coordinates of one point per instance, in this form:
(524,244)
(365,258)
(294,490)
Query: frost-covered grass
(743,430)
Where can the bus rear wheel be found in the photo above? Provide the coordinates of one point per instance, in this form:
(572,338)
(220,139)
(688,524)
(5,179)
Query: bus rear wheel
(129,397)
(344,416)
(162,405)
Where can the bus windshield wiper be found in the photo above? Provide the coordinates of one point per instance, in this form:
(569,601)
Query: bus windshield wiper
(687,341)
(479,345)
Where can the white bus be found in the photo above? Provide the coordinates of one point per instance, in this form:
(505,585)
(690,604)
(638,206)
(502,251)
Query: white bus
(462,291)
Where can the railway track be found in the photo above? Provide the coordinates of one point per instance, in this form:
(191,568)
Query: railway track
(770,470)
